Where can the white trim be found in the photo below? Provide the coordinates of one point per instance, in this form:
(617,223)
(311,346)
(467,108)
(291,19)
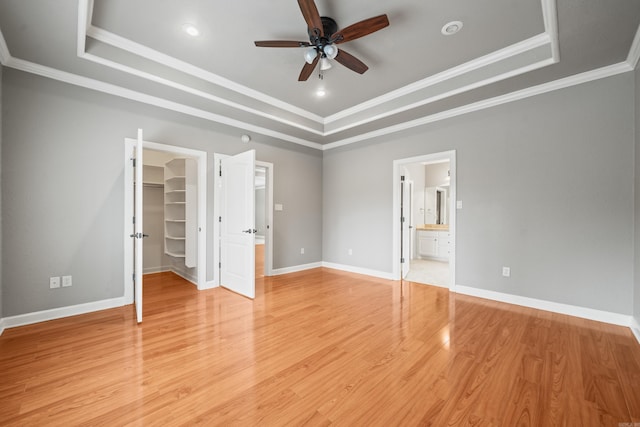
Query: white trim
(566,82)
(217,186)
(449,156)
(59,313)
(635,328)
(2,326)
(5,55)
(550,37)
(295,268)
(211,284)
(111,89)
(443,95)
(634,52)
(555,307)
(358,270)
(467,67)
(154,270)
(84,20)
(268,238)
(550,16)
(193,91)
(161,58)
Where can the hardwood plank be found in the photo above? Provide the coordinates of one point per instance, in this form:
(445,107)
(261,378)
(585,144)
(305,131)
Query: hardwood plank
(319,347)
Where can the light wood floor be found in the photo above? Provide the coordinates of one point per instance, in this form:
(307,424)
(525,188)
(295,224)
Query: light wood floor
(319,347)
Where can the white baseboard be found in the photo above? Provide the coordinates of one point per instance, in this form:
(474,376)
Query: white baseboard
(1,326)
(635,328)
(59,313)
(152,270)
(185,276)
(210,285)
(555,307)
(295,268)
(359,270)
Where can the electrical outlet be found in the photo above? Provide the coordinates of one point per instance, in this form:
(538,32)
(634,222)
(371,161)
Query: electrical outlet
(350,251)
(301,251)
(506,271)
(54,282)
(66,281)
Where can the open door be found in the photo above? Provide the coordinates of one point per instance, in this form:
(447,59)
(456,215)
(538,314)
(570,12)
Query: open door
(137,233)
(237,224)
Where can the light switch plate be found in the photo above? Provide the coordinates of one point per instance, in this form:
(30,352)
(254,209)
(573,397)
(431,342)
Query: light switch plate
(278,207)
(459,204)
(66,281)
(54,282)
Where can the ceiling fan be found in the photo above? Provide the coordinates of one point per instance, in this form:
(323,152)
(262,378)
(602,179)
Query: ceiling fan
(324,35)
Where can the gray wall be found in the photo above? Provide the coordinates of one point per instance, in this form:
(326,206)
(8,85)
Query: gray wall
(636,275)
(62,177)
(547,186)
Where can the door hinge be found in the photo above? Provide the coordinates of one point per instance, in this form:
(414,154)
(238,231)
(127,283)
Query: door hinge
(133,219)
(133,276)
(220,172)
(402,219)
(402,178)
(401,260)
(219,265)
(219,219)
(133,160)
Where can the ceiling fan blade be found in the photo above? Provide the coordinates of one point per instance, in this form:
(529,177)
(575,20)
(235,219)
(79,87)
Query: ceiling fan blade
(351,62)
(361,29)
(280,43)
(311,15)
(308,69)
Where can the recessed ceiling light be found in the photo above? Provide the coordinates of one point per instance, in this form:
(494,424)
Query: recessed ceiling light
(451,28)
(321,92)
(191,29)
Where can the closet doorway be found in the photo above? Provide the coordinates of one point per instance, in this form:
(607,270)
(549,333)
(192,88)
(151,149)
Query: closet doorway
(169,214)
(172,245)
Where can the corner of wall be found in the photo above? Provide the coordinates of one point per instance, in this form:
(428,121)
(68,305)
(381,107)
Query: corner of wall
(635,327)
(1,322)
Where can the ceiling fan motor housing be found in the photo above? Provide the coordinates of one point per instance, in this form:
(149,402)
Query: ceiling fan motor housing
(329,27)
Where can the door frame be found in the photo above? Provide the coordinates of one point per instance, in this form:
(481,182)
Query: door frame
(397,172)
(268,242)
(201,158)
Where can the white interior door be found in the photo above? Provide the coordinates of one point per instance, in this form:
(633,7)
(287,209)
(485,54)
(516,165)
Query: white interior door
(138,233)
(237,224)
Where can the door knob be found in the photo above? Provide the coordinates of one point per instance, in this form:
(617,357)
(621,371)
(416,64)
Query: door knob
(249,230)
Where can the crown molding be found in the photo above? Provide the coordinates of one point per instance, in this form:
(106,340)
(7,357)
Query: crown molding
(121,92)
(550,16)
(193,91)
(5,55)
(634,52)
(169,61)
(467,67)
(85,12)
(566,82)
(444,95)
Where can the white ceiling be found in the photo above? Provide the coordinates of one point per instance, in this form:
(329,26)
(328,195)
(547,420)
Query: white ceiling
(507,49)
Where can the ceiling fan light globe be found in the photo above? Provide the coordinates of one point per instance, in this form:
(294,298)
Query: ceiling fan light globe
(310,55)
(330,50)
(325,64)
